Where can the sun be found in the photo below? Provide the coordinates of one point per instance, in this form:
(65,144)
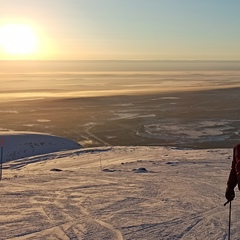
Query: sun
(18,39)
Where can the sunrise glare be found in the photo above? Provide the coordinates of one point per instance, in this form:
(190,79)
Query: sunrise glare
(18,40)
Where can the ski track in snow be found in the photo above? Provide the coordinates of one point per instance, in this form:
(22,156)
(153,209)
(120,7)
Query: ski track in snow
(180,196)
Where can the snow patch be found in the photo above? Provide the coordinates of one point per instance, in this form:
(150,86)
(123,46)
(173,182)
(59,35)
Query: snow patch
(25,144)
(43,120)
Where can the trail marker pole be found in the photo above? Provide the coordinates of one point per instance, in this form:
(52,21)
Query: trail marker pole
(1,157)
(100,163)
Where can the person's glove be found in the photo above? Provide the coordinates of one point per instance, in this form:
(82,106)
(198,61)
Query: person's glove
(230,194)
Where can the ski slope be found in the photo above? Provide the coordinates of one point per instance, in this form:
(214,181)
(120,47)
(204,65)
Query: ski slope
(130,193)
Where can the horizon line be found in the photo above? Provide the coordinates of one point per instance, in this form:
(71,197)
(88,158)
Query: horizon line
(121,60)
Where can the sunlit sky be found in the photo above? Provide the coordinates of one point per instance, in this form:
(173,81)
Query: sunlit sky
(125,29)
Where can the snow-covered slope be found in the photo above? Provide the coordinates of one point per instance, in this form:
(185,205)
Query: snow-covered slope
(24,144)
(116,193)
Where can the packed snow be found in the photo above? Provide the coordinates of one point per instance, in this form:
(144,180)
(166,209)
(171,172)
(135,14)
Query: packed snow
(115,193)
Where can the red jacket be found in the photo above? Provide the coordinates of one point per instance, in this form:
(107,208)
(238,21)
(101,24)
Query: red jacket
(234,176)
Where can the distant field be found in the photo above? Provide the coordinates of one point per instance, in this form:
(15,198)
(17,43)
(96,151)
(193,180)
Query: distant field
(195,119)
(99,103)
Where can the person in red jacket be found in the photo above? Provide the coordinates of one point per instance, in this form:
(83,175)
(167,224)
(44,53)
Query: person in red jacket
(234,175)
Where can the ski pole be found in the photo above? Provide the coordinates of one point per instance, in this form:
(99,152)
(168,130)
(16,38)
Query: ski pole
(229,222)
(229,219)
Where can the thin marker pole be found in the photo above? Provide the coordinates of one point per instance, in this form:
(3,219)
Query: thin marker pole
(1,159)
(101,163)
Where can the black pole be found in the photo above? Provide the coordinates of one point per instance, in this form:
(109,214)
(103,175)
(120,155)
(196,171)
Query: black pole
(229,218)
(229,221)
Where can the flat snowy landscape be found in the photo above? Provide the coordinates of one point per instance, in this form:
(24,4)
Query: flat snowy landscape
(147,193)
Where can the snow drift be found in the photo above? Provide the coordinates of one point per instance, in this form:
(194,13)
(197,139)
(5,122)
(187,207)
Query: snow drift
(18,145)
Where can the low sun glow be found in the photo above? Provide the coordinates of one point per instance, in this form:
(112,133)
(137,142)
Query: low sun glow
(18,40)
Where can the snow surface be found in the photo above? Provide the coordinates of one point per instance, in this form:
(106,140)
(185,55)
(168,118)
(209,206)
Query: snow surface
(117,193)
(24,144)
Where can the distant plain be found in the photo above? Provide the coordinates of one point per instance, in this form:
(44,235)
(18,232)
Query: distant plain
(182,108)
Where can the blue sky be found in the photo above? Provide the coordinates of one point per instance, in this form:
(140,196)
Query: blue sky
(131,29)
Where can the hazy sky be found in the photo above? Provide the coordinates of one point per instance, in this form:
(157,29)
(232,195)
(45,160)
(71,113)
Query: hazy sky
(129,29)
